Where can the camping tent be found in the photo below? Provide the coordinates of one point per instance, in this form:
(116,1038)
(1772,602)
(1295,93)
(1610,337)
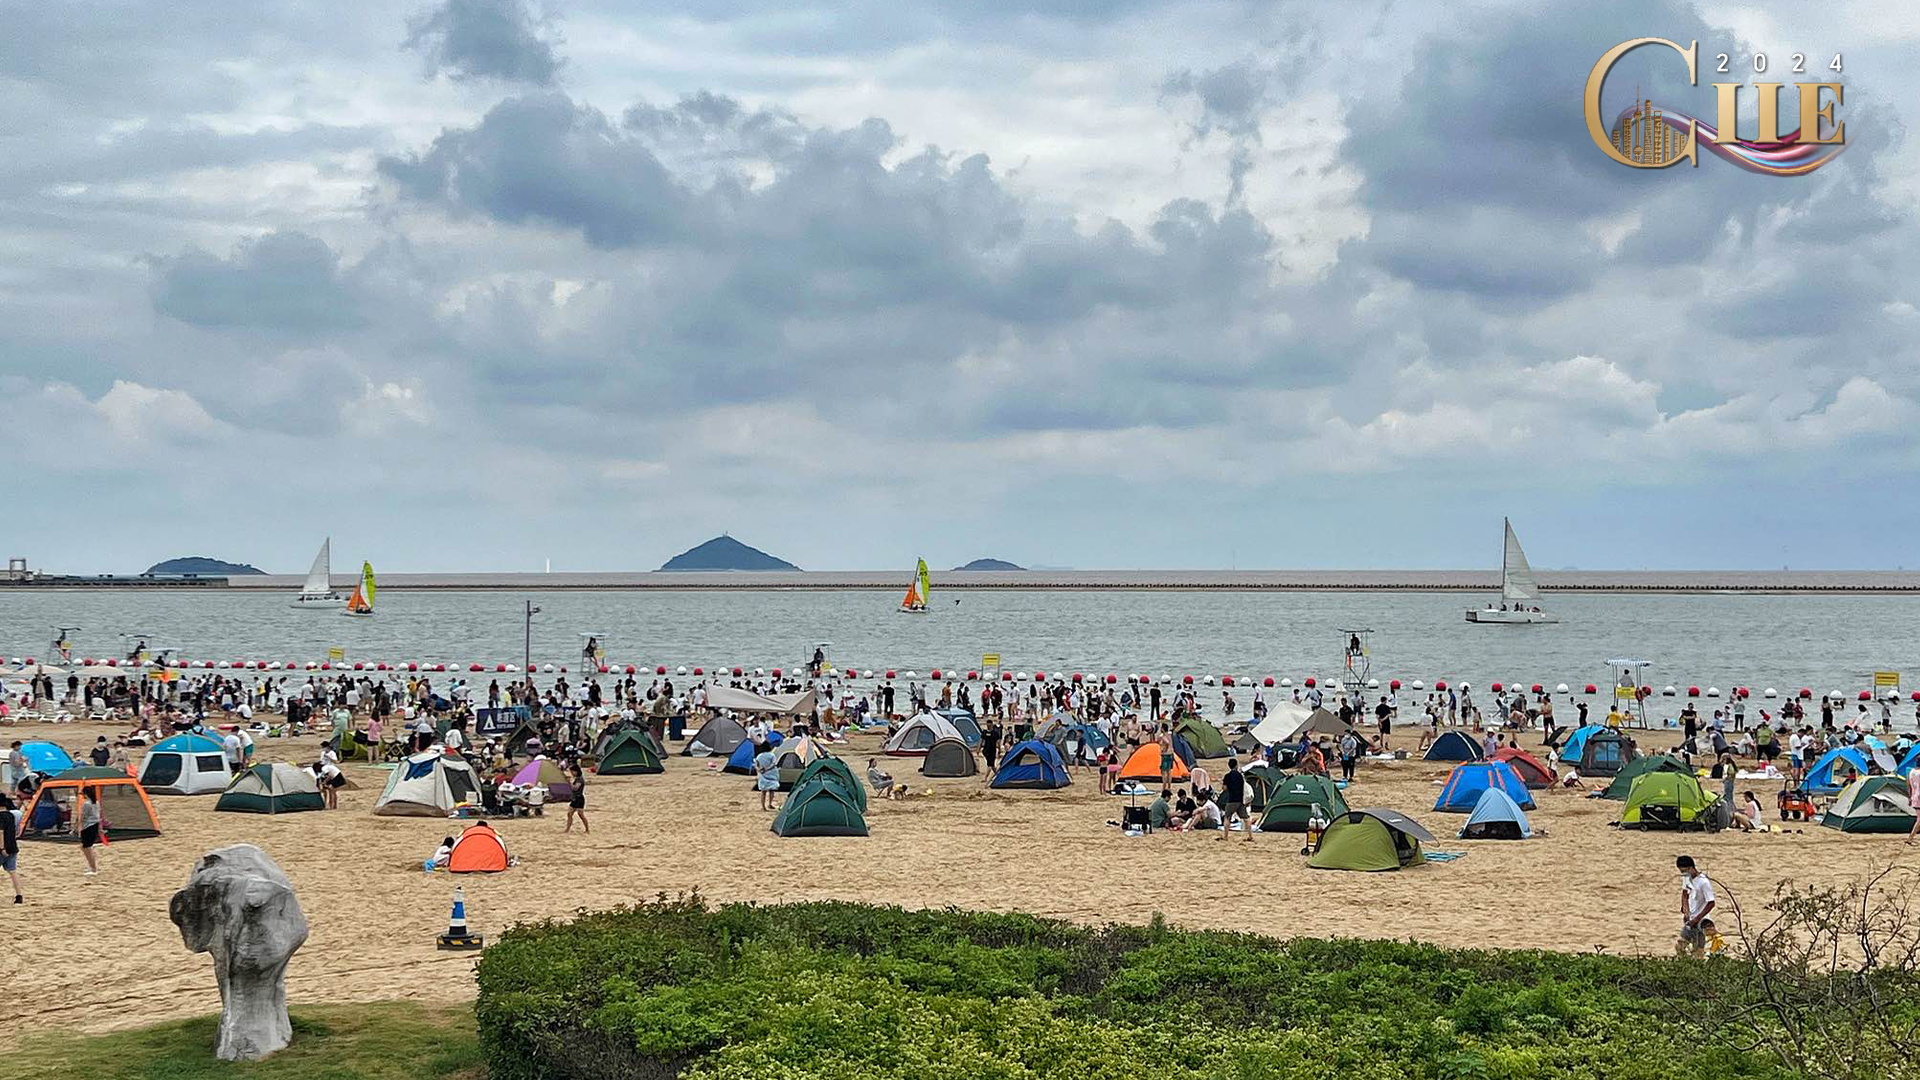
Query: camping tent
(1321,722)
(1204,738)
(1280,723)
(949,757)
(826,801)
(1290,803)
(1261,780)
(1461,793)
(278,788)
(1666,800)
(1036,764)
(1623,780)
(631,751)
(186,765)
(1576,743)
(1532,771)
(478,850)
(720,735)
(964,723)
(548,773)
(1454,746)
(1144,765)
(428,784)
(1370,839)
(919,734)
(741,760)
(1871,804)
(1835,769)
(1907,763)
(523,735)
(1604,753)
(794,756)
(46,759)
(125,811)
(1496,817)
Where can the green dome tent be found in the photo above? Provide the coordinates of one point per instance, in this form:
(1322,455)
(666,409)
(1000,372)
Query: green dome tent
(826,801)
(278,788)
(1290,803)
(1872,804)
(1667,800)
(1204,738)
(841,772)
(1261,781)
(1633,770)
(1371,839)
(630,752)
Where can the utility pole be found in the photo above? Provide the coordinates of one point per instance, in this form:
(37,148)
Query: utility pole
(526,657)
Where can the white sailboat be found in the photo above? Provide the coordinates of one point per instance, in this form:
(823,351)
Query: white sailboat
(317,594)
(1519,595)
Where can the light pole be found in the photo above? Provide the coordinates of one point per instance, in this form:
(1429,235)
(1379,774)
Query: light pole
(526,657)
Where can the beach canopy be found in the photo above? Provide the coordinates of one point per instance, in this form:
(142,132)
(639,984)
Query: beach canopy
(546,772)
(1454,746)
(1666,800)
(428,784)
(918,735)
(1291,801)
(1623,780)
(478,850)
(46,758)
(277,788)
(1871,804)
(1576,743)
(1036,764)
(718,736)
(1321,722)
(949,757)
(1461,793)
(125,811)
(630,752)
(1835,769)
(1496,817)
(186,765)
(1144,765)
(964,723)
(1204,739)
(1370,839)
(737,700)
(826,801)
(1532,771)
(1280,723)
(1603,754)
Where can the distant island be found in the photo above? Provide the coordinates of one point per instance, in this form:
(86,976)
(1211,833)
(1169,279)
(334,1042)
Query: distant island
(990,564)
(203,566)
(723,552)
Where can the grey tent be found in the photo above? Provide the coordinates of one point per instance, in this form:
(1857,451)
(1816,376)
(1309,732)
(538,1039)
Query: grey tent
(950,757)
(718,737)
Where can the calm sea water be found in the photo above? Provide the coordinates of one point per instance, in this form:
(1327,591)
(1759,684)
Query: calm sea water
(1826,642)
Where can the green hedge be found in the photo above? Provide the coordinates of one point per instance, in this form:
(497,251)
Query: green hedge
(832,990)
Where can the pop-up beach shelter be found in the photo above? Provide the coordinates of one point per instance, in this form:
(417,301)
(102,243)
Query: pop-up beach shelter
(1371,839)
(1576,743)
(1036,764)
(918,735)
(1532,771)
(478,850)
(1144,765)
(1623,780)
(1461,793)
(1290,802)
(186,765)
(1604,753)
(1204,738)
(46,758)
(1454,746)
(54,814)
(1666,800)
(1836,769)
(630,752)
(1496,817)
(1871,804)
(546,772)
(826,801)
(277,788)
(949,758)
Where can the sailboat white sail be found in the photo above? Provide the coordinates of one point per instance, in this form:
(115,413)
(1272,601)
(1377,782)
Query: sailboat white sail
(317,594)
(1519,593)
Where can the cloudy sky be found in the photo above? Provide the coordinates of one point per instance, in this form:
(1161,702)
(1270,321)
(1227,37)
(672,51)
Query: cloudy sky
(1111,283)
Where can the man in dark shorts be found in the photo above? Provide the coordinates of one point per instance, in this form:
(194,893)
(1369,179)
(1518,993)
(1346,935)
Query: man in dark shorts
(89,826)
(1384,713)
(1233,789)
(10,846)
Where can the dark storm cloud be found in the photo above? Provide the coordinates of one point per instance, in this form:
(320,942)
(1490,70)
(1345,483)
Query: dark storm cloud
(281,281)
(484,39)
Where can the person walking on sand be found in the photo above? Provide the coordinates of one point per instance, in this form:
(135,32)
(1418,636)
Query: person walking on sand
(1234,789)
(1696,903)
(10,845)
(90,828)
(577,802)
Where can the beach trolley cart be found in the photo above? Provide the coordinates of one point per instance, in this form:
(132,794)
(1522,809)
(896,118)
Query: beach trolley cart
(1630,689)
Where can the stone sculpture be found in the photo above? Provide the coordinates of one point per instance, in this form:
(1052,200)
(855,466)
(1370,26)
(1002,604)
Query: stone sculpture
(240,907)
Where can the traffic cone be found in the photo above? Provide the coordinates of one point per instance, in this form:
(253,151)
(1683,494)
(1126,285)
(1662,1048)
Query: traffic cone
(457,936)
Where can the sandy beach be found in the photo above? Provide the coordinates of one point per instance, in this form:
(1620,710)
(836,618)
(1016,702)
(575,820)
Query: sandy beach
(100,954)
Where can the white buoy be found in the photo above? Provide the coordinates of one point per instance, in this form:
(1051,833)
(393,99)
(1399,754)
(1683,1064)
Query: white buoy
(1713,691)
(1668,692)
(1207,680)
(1769,692)
(1373,684)
(1287,681)
(1562,689)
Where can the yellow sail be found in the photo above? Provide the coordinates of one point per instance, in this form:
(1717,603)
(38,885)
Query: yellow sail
(361,602)
(926,584)
(366,581)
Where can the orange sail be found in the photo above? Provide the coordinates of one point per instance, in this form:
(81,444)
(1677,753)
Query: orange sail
(357,604)
(913,597)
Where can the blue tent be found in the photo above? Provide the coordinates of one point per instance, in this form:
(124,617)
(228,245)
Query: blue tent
(1032,764)
(44,757)
(741,760)
(1466,783)
(1822,779)
(1907,763)
(188,743)
(1455,746)
(1496,817)
(1182,750)
(1576,743)
(1089,736)
(963,722)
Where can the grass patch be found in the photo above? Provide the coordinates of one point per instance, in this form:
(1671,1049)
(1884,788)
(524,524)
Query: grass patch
(397,1040)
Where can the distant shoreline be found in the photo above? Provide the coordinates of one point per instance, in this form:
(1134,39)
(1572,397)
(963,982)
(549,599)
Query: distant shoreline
(1481,581)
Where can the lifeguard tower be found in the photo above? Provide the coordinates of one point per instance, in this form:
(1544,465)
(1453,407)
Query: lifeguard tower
(1630,689)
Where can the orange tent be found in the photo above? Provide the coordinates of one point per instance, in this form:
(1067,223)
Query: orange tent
(125,810)
(479,850)
(1533,772)
(1144,765)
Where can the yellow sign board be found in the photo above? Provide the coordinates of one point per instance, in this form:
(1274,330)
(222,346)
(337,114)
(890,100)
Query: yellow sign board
(1886,678)
(336,654)
(991,659)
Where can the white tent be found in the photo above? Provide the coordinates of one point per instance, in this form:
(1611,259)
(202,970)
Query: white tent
(1281,722)
(733,699)
(919,734)
(185,765)
(428,784)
